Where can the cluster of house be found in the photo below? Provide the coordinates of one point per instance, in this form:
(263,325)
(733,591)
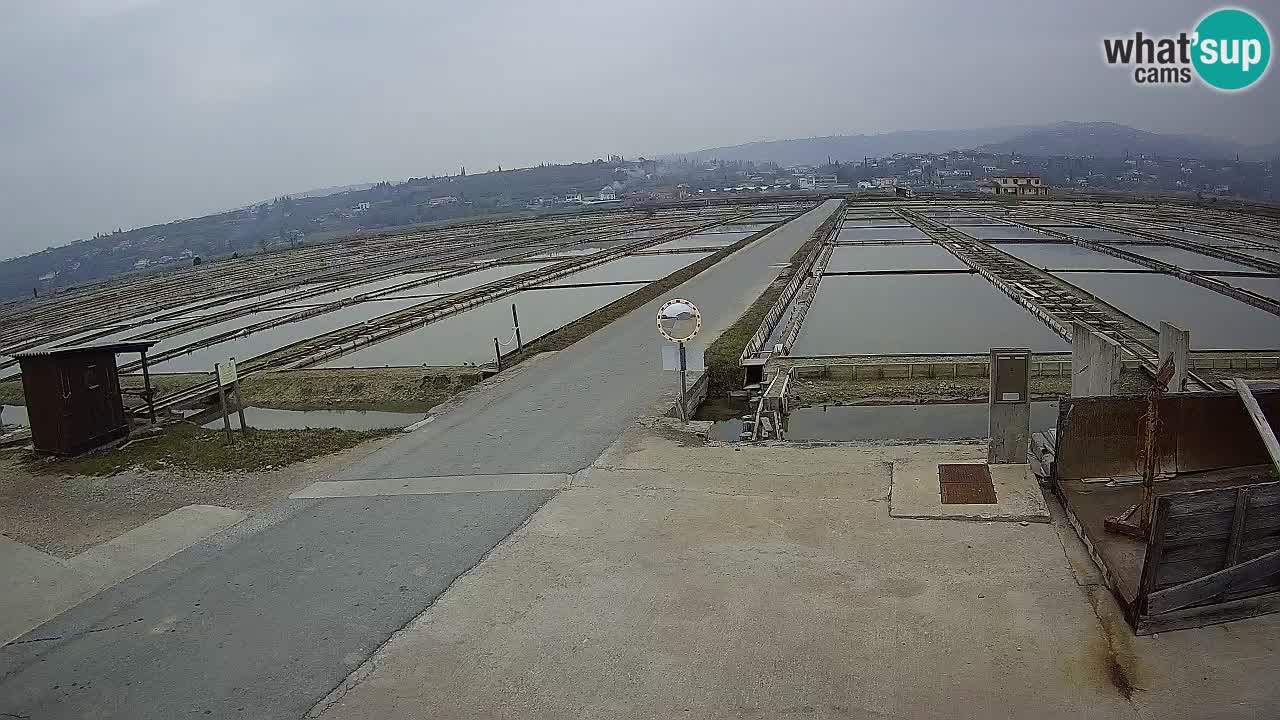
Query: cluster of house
(1020,184)
(607,194)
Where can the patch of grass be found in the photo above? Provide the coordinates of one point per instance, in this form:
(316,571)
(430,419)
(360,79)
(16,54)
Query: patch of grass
(11,393)
(721,357)
(402,389)
(182,446)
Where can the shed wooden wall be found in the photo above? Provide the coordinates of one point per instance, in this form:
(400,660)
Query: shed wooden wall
(73,401)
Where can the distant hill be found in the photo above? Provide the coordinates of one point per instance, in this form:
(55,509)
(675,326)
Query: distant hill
(321,192)
(1111,140)
(295,219)
(1065,138)
(816,150)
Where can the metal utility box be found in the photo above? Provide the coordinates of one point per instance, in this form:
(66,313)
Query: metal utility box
(73,396)
(1010,407)
(1010,375)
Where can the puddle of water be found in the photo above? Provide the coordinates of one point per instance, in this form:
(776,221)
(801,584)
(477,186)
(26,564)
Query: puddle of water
(1187,259)
(1003,232)
(14,415)
(222,307)
(881,233)
(633,268)
(468,336)
(966,220)
(726,414)
(465,282)
(573,252)
(272,419)
(1272,255)
(959,421)
(262,341)
(277,337)
(1065,256)
(1215,320)
(1268,286)
(717,239)
(863,258)
(1272,242)
(1196,237)
(875,222)
(923,314)
(208,331)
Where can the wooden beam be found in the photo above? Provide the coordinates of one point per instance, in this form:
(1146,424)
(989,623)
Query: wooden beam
(1237,528)
(1193,591)
(1259,421)
(1154,556)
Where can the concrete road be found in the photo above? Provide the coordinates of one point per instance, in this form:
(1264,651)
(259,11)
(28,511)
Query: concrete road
(265,619)
(565,411)
(677,581)
(263,623)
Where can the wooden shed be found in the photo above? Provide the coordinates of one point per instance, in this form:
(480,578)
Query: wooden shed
(73,395)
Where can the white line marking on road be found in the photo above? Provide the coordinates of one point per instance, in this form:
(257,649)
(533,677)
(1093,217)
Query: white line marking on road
(434,485)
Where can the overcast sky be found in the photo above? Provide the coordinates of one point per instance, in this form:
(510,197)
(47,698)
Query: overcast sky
(122,113)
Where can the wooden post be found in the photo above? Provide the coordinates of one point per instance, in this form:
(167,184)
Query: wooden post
(235,389)
(684,387)
(222,398)
(515,319)
(146,382)
(497,353)
(1259,421)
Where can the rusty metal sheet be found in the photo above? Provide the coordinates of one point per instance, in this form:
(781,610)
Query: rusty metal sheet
(1216,432)
(1100,436)
(964,473)
(968,494)
(965,484)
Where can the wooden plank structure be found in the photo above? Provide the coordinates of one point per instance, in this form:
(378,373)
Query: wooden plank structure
(1212,552)
(73,395)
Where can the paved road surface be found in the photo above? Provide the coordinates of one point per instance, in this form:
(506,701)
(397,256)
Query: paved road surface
(264,620)
(565,411)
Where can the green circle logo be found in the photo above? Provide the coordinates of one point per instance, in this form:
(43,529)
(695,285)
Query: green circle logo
(1232,49)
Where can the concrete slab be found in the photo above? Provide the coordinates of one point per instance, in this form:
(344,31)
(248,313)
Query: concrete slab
(148,544)
(709,581)
(35,583)
(915,494)
(433,485)
(257,622)
(675,579)
(44,586)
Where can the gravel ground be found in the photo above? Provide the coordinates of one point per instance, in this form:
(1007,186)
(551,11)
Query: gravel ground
(397,389)
(66,514)
(807,392)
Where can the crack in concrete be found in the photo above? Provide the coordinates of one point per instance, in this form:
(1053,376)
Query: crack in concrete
(72,635)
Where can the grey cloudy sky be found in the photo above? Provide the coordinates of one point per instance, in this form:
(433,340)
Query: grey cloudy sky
(121,113)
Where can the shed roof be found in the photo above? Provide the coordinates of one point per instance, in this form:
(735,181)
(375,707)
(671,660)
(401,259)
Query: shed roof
(54,351)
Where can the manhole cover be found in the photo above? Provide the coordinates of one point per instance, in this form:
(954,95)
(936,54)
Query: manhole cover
(966,485)
(964,474)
